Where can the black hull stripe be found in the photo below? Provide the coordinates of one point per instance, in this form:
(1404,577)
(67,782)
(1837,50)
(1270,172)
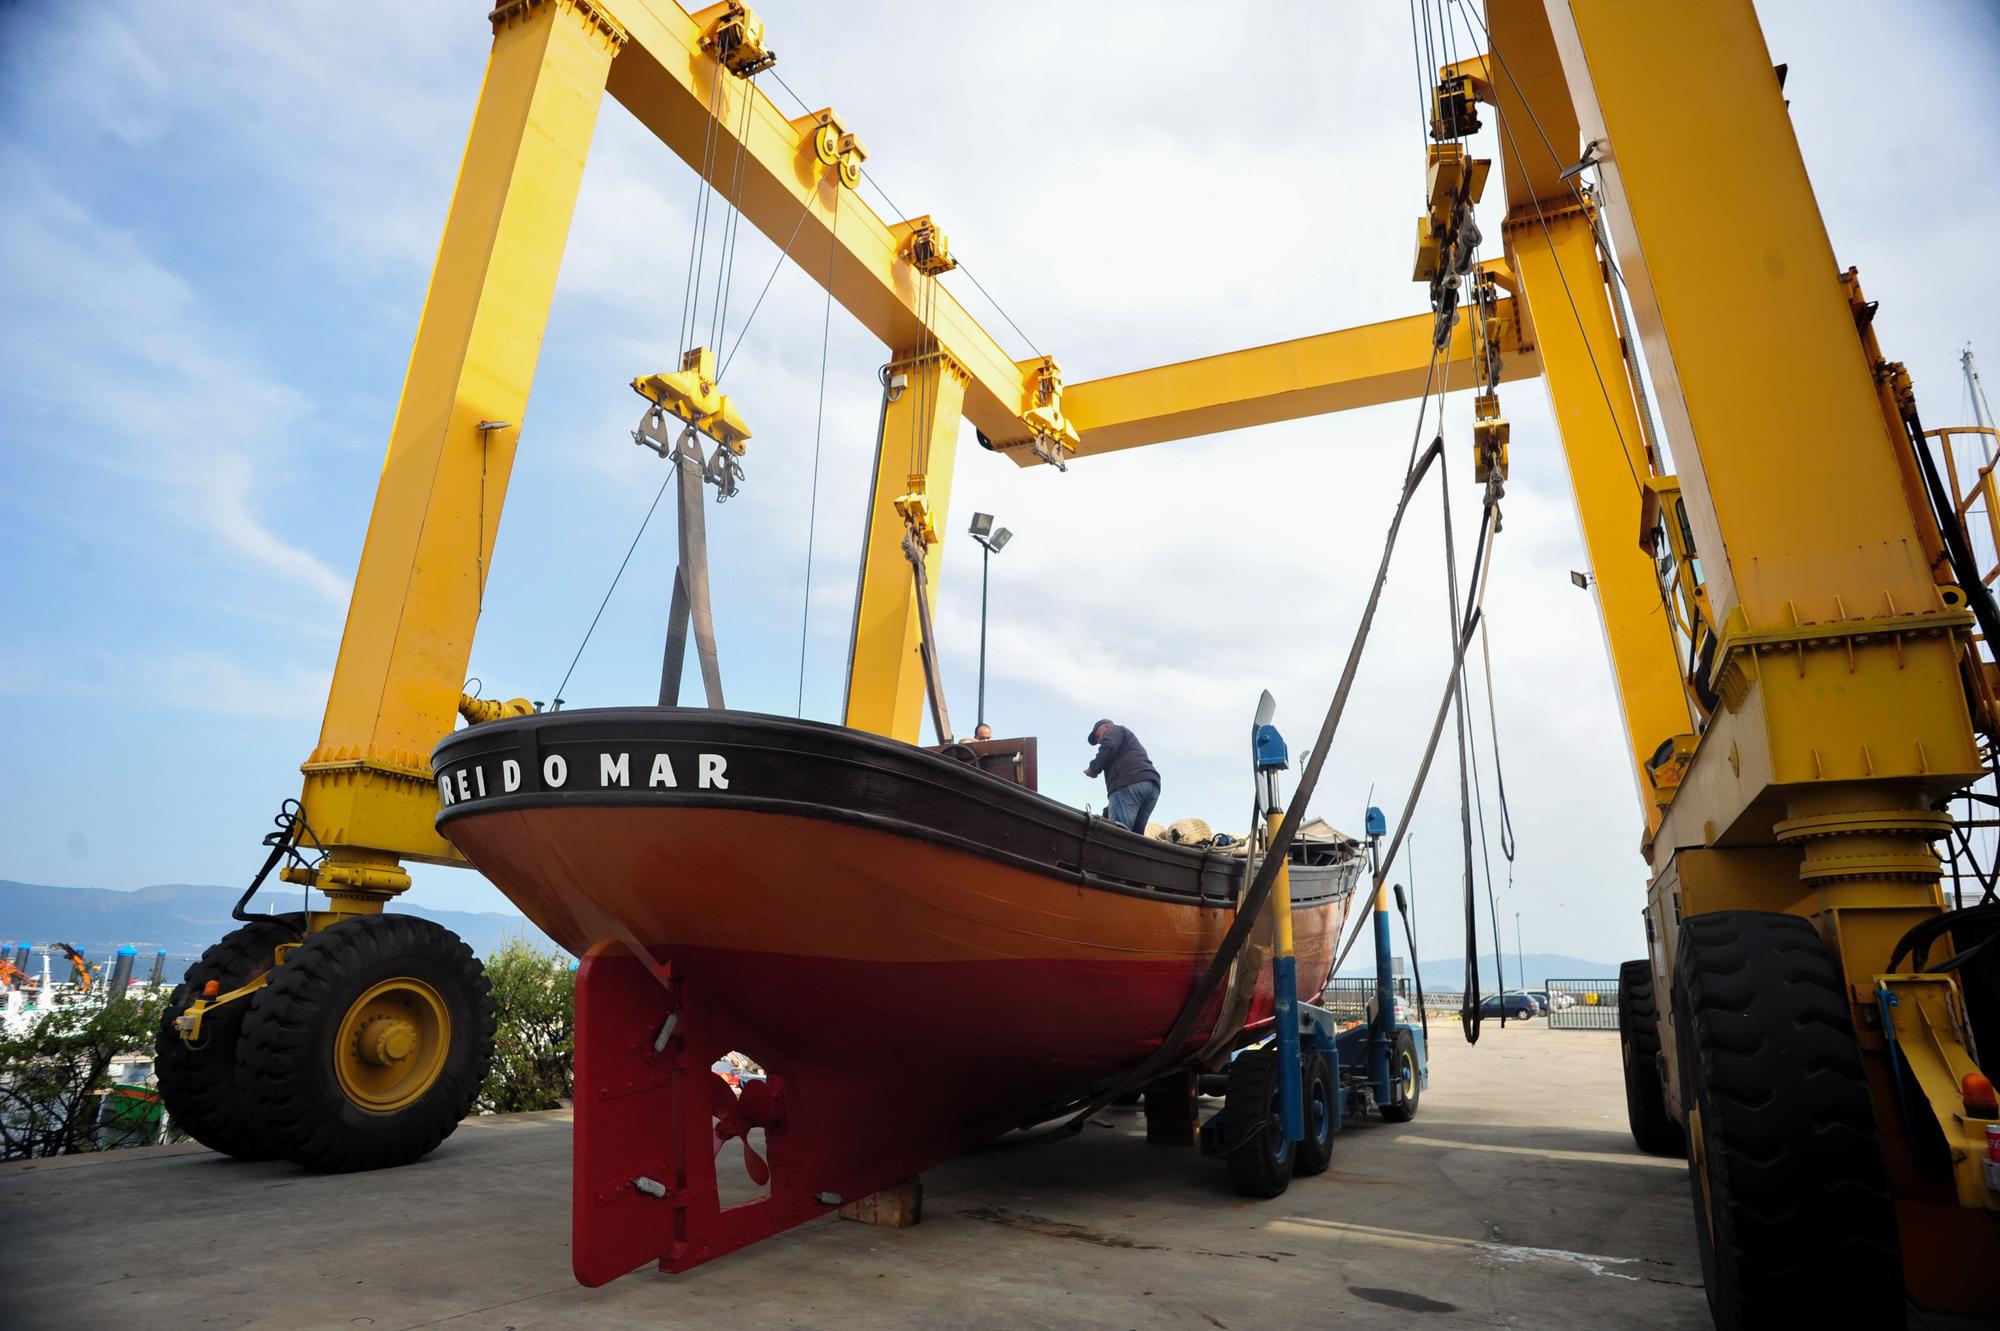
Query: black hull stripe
(829,773)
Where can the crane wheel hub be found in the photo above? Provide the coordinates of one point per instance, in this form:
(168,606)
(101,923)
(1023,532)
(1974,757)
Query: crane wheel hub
(392,1044)
(387,1040)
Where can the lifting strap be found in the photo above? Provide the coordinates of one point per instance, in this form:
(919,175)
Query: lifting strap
(913,550)
(690,600)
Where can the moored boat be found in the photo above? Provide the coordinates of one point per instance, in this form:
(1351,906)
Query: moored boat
(836,906)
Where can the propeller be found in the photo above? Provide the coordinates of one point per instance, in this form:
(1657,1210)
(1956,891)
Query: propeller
(736,1112)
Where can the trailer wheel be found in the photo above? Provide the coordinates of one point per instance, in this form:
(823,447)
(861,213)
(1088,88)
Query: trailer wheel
(198,1082)
(1314,1152)
(367,1046)
(1639,1044)
(1260,1159)
(1792,1209)
(1406,1081)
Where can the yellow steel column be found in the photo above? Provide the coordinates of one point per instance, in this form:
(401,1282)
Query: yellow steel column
(919,442)
(1596,416)
(417,593)
(1844,717)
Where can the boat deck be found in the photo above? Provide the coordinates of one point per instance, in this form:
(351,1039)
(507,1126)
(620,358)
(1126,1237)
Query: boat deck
(1515,1198)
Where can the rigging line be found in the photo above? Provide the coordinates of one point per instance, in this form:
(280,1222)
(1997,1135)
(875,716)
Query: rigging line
(1449,45)
(733,223)
(698,244)
(758,304)
(1430,50)
(1250,903)
(1469,1001)
(1624,447)
(819,422)
(1610,260)
(887,201)
(1499,775)
(1430,750)
(788,88)
(672,472)
(1423,94)
(1423,410)
(1471,740)
(997,307)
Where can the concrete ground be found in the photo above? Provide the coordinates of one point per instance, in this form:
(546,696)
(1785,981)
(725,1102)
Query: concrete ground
(1516,1198)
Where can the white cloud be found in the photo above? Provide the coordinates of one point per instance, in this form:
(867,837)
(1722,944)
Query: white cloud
(108,338)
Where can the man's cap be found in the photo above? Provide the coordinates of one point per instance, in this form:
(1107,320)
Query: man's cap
(1102,722)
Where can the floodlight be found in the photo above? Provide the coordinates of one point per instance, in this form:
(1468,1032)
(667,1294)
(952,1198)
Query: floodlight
(1000,538)
(1582,580)
(981,524)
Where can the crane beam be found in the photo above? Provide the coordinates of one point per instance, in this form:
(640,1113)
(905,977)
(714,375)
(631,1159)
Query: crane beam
(1307,376)
(669,81)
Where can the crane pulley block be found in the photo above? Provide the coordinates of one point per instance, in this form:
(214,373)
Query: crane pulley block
(1454,108)
(1054,438)
(1453,174)
(927,249)
(737,40)
(835,145)
(915,506)
(689,394)
(1489,438)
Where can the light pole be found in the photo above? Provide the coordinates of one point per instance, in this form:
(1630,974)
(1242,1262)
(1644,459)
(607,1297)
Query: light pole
(991,542)
(1520,957)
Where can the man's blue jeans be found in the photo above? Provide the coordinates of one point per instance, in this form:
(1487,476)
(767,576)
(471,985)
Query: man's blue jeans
(1133,805)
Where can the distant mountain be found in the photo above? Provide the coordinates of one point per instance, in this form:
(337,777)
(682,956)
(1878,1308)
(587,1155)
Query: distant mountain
(185,918)
(1449,974)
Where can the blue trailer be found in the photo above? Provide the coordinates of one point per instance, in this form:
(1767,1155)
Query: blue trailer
(1285,1098)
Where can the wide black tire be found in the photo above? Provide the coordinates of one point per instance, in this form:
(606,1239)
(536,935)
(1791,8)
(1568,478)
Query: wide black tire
(1313,1153)
(1792,1209)
(198,1082)
(1639,1043)
(1405,1079)
(288,1066)
(1260,1159)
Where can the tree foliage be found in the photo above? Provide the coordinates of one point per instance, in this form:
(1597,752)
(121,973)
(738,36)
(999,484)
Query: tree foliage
(53,1076)
(535,995)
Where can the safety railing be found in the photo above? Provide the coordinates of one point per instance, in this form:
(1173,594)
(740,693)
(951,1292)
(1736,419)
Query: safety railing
(1975,494)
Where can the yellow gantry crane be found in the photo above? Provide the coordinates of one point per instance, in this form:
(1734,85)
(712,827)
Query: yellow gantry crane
(1792,634)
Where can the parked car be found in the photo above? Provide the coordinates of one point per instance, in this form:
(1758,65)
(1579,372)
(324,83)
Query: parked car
(1517,1006)
(1552,1002)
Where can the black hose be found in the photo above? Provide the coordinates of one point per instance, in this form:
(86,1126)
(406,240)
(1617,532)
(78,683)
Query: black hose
(1963,565)
(284,843)
(1416,967)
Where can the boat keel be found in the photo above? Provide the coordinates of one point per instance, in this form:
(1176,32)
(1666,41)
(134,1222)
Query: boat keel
(652,1118)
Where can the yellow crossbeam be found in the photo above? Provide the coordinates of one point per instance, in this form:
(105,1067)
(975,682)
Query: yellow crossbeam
(1308,376)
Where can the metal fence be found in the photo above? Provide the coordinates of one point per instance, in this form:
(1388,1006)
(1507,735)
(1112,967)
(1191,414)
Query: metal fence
(1348,998)
(1583,1005)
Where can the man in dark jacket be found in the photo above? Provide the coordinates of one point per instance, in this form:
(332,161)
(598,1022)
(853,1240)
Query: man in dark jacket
(1129,775)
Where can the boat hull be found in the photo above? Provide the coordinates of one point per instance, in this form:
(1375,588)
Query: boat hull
(921,954)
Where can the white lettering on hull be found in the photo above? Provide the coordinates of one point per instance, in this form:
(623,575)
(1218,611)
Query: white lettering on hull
(614,771)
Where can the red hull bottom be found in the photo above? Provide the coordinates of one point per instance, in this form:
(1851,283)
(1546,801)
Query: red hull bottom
(839,1123)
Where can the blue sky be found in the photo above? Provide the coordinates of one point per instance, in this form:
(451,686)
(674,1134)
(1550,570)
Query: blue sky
(214,243)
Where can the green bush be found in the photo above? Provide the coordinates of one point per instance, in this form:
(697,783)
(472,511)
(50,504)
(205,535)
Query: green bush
(534,993)
(53,1075)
